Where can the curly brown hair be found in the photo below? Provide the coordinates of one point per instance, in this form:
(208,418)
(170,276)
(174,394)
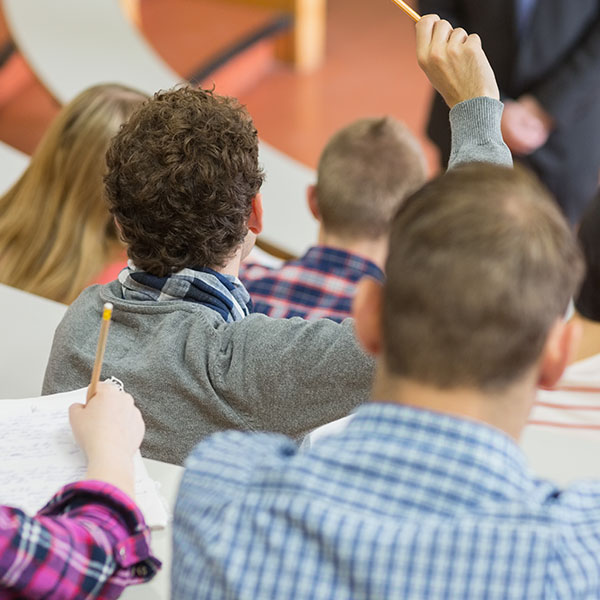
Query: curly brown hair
(182,173)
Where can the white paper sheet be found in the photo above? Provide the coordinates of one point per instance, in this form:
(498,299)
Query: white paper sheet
(39,455)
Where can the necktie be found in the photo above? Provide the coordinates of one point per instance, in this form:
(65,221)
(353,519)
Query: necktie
(525,10)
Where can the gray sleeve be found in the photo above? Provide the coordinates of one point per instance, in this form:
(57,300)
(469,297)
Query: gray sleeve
(290,375)
(476,133)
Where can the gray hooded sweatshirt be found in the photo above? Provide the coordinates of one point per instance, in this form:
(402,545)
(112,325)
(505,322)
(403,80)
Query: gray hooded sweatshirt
(192,374)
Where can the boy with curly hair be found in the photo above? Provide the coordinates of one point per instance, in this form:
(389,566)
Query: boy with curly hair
(183,184)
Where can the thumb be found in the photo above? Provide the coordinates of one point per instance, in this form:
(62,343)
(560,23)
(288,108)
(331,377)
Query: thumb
(74,411)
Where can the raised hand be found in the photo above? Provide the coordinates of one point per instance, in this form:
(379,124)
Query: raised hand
(454,61)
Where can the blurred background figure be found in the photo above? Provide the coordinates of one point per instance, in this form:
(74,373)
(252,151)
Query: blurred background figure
(365,173)
(587,304)
(56,233)
(546,56)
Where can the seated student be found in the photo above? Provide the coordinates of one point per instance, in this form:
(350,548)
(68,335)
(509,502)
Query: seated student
(587,302)
(56,234)
(426,494)
(365,172)
(90,540)
(183,184)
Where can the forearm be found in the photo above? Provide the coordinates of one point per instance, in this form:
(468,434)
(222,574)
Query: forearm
(310,373)
(116,470)
(476,133)
(329,375)
(82,544)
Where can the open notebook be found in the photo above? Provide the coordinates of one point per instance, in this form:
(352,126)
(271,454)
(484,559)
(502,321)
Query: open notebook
(40,455)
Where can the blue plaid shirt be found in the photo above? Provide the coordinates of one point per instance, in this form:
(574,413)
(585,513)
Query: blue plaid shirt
(404,504)
(320,284)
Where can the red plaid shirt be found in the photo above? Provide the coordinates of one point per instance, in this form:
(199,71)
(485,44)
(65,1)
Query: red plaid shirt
(320,284)
(89,541)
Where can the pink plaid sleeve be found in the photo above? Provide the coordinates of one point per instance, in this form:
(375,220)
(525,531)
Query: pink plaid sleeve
(89,541)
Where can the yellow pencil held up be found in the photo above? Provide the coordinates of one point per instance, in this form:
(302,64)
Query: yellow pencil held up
(415,16)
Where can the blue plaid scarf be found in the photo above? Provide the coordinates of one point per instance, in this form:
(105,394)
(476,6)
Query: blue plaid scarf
(225,294)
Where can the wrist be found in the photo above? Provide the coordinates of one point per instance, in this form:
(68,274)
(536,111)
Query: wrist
(115,469)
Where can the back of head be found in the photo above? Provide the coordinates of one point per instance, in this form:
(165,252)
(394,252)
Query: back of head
(481,265)
(182,174)
(56,231)
(365,172)
(587,302)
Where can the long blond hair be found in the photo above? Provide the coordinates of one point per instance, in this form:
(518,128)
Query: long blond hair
(56,233)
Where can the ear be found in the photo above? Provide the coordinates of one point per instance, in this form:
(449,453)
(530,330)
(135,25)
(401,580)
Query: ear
(559,349)
(255,221)
(311,199)
(367,312)
(118,227)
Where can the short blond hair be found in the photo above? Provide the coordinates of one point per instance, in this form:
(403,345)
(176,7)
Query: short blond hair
(365,172)
(481,265)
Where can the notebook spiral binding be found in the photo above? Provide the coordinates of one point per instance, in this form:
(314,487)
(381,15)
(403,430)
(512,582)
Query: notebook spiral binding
(118,383)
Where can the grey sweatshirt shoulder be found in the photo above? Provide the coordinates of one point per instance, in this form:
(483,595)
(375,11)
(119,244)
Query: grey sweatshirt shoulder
(192,374)
(476,133)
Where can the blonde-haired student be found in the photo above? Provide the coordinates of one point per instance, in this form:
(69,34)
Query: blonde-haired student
(56,233)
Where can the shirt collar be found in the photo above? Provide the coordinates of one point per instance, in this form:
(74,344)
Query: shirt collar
(468,460)
(225,294)
(328,259)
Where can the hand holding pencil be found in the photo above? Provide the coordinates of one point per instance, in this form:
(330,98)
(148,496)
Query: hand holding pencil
(454,61)
(109,429)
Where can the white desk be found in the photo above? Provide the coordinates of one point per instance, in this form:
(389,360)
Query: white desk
(73,44)
(28,324)
(168,476)
(288,223)
(563,456)
(12,164)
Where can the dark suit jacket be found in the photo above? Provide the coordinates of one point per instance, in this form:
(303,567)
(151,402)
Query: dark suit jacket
(558,62)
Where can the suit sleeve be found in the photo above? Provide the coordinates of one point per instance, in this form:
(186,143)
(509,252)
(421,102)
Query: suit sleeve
(575,81)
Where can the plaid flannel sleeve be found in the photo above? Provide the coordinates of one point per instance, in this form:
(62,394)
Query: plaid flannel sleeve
(89,541)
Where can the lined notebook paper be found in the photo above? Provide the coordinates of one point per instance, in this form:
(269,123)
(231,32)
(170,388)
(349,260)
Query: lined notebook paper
(40,455)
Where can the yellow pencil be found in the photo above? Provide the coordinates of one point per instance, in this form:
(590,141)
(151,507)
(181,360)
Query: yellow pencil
(414,15)
(106,316)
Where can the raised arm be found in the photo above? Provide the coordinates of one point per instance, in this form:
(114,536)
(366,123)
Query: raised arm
(301,375)
(458,69)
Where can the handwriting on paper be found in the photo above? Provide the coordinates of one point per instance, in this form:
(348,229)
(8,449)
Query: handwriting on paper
(39,455)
